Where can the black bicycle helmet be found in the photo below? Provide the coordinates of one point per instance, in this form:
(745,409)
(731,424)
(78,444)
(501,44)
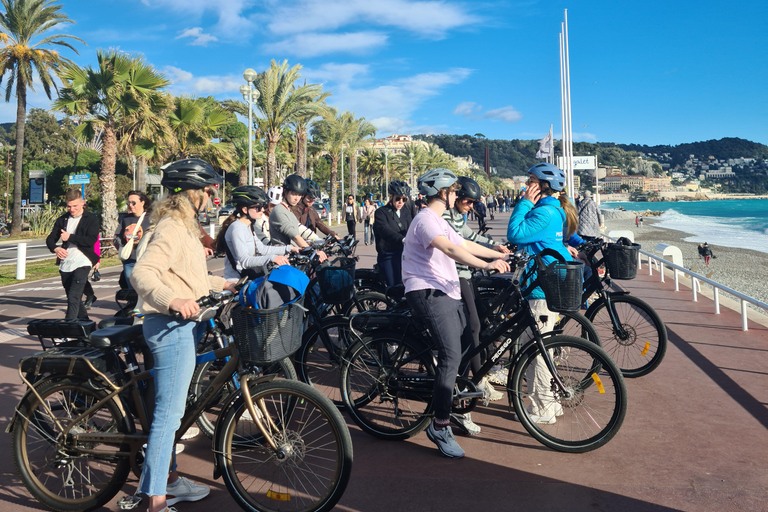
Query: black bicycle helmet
(434,180)
(469,188)
(313,189)
(295,183)
(190,173)
(549,173)
(399,188)
(248,195)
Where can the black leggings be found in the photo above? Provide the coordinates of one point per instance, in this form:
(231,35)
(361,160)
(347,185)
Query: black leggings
(468,295)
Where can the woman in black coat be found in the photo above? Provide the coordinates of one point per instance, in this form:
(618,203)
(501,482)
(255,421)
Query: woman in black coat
(390,225)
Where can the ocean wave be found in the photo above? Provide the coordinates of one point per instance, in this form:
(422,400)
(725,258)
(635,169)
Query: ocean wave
(730,232)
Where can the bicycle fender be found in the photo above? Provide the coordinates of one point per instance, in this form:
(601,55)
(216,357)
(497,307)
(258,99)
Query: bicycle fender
(230,402)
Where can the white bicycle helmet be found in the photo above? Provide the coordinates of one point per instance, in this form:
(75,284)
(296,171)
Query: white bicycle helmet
(275,195)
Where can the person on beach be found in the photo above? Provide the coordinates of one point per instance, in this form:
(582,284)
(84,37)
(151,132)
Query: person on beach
(433,292)
(706,252)
(641,221)
(637,221)
(590,218)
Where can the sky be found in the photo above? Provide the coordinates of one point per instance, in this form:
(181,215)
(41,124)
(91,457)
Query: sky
(652,72)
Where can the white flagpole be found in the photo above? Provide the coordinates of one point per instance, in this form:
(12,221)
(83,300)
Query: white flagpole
(551,157)
(562,104)
(569,120)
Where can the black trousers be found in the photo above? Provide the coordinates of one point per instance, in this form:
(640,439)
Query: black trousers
(74,285)
(351,227)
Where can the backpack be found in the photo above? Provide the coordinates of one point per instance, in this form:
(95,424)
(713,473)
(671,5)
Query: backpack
(284,285)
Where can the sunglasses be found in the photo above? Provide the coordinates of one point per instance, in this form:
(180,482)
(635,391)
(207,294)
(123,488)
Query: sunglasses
(257,207)
(399,199)
(132,203)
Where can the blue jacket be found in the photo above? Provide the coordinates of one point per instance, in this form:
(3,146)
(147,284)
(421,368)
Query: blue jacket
(539,227)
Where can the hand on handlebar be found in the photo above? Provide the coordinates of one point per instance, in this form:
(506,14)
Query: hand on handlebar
(573,252)
(498,265)
(187,308)
(321,256)
(280,260)
(501,248)
(232,287)
(295,249)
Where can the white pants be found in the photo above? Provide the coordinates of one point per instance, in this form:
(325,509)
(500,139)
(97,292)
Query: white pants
(537,374)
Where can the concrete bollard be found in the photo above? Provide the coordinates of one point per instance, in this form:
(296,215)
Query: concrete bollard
(21,261)
(212,229)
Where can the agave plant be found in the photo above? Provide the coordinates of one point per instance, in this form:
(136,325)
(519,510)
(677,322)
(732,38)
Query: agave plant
(41,220)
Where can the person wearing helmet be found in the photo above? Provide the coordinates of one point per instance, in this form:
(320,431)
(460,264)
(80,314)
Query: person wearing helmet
(433,292)
(247,253)
(468,193)
(261,224)
(169,277)
(284,227)
(543,219)
(308,216)
(390,225)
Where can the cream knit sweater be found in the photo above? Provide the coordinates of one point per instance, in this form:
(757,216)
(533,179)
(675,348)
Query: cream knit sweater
(173,267)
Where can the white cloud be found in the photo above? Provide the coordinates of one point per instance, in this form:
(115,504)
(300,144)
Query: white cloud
(177,75)
(507,114)
(427,18)
(388,125)
(584,136)
(467,109)
(336,73)
(186,83)
(313,44)
(199,38)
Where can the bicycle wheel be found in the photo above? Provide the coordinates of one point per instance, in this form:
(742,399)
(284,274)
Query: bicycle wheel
(56,472)
(591,410)
(573,323)
(641,347)
(309,470)
(386,385)
(206,372)
(368,301)
(319,358)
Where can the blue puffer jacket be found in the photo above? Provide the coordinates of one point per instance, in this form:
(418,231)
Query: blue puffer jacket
(539,227)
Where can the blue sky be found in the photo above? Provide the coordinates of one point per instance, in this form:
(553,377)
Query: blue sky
(653,72)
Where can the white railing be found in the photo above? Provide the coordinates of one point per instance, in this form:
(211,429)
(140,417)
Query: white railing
(696,280)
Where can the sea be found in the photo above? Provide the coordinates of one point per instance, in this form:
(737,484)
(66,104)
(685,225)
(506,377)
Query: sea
(740,223)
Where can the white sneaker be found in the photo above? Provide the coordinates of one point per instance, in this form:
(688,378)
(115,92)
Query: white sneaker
(465,423)
(191,433)
(499,376)
(488,391)
(184,489)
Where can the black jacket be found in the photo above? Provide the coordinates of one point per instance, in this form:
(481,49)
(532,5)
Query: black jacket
(84,237)
(389,229)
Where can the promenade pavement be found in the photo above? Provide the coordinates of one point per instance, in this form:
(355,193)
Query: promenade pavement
(694,438)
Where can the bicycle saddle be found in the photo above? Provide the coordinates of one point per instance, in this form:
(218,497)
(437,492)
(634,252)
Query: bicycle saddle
(115,336)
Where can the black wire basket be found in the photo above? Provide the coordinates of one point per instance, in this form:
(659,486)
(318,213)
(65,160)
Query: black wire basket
(268,335)
(562,284)
(337,281)
(621,260)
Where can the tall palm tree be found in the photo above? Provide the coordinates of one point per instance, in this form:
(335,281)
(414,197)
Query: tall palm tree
(280,102)
(120,87)
(332,133)
(20,25)
(370,165)
(360,129)
(301,125)
(193,122)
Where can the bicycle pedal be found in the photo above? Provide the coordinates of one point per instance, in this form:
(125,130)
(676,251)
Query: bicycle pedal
(129,502)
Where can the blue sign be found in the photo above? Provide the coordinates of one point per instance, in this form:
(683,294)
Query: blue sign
(23,202)
(80,179)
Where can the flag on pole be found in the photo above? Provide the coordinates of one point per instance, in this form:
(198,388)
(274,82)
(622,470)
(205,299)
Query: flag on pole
(545,146)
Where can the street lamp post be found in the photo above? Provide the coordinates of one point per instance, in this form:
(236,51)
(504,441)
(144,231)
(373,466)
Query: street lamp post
(250,95)
(342,174)
(410,159)
(386,169)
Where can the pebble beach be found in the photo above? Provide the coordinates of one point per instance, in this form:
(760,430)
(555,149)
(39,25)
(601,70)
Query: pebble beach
(743,270)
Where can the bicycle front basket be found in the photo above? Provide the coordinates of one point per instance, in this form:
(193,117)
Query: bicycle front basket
(621,260)
(562,284)
(268,335)
(337,281)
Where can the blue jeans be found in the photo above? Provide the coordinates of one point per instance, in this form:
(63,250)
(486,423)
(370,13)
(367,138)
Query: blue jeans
(368,228)
(127,271)
(391,265)
(173,345)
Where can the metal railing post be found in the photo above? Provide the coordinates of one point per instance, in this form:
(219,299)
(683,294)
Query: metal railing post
(744,325)
(717,299)
(21,261)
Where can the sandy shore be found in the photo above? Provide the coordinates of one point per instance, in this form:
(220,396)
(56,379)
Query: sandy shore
(740,269)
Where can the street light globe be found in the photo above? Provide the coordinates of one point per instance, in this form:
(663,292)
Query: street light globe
(255,95)
(250,75)
(244,90)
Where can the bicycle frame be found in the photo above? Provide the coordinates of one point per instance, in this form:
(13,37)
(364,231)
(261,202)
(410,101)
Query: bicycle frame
(601,285)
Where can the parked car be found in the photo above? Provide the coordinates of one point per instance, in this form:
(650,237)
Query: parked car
(204,218)
(227,210)
(321,208)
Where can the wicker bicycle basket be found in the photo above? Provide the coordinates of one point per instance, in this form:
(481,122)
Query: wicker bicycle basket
(337,281)
(562,284)
(268,335)
(621,260)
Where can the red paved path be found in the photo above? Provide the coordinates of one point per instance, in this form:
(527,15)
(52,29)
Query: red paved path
(694,438)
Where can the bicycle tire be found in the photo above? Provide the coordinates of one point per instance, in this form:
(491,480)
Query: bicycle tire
(369,301)
(595,410)
(645,344)
(573,323)
(206,372)
(318,362)
(386,386)
(68,480)
(313,467)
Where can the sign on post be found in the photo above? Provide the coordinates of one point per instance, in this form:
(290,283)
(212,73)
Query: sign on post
(580,163)
(80,179)
(216,201)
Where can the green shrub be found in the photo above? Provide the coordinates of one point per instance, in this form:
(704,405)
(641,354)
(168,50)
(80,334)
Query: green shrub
(41,221)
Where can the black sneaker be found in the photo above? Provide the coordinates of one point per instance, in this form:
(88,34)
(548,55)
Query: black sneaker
(89,301)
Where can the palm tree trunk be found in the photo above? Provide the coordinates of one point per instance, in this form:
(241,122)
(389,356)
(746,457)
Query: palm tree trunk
(141,175)
(353,173)
(21,115)
(301,154)
(242,178)
(272,140)
(334,167)
(107,179)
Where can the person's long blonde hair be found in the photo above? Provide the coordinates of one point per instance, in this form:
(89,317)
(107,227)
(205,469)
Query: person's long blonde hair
(181,207)
(571,215)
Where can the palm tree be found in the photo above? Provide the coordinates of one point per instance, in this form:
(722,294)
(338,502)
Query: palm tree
(280,102)
(360,129)
(370,165)
(332,133)
(21,23)
(301,125)
(193,122)
(119,88)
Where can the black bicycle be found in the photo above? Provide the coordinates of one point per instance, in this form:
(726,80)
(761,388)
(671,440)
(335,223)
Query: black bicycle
(387,377)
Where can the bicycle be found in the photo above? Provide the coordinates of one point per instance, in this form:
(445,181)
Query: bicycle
(75,435)
(387,377)
(631,331)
